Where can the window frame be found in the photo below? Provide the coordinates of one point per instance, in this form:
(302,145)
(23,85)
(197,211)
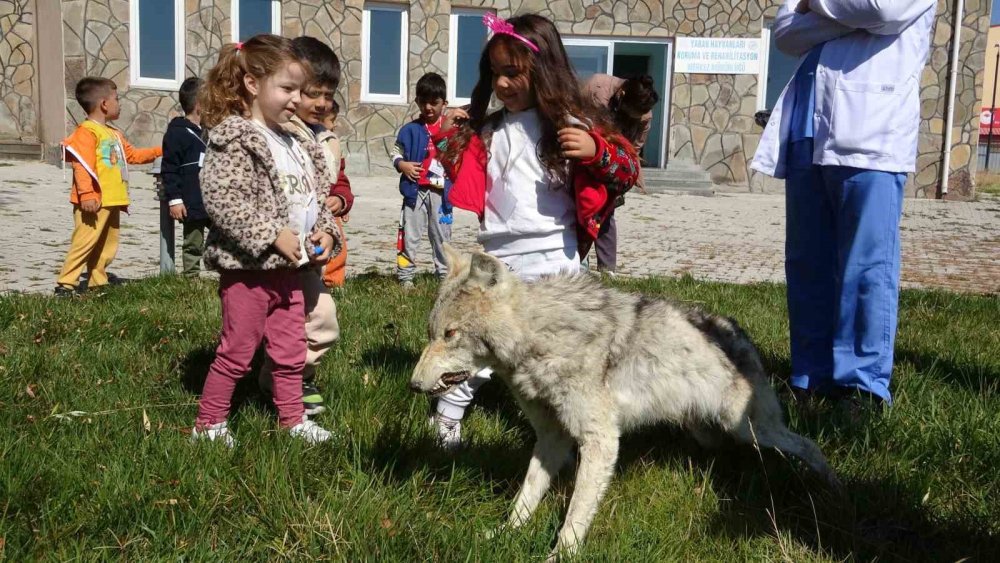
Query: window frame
(453,98)
(403,98)
(234,19)
(136,80)
(584,41)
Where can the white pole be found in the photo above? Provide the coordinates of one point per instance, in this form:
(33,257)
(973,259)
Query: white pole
(950,112)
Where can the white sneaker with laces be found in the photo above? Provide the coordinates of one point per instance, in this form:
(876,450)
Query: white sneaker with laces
(449,432)
(214,432)
(309,431)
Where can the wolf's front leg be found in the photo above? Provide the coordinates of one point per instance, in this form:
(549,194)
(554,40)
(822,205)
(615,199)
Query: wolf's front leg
(553,448)
(598,454)
(547,458)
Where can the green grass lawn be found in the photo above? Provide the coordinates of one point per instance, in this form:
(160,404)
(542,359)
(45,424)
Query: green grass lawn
(122,479)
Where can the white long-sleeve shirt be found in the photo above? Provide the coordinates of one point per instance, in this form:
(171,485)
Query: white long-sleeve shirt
(867,82)
(526,209)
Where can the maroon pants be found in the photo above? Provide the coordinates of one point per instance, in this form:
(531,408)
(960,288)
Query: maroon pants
(258,305)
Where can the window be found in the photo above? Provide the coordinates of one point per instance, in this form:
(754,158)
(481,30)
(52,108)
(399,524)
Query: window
(589,56)
(467,37)
(777,69)
(384,32)
(156,43)
(253,17)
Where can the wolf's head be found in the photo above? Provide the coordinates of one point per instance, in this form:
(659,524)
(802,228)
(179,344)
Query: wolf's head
(471,324)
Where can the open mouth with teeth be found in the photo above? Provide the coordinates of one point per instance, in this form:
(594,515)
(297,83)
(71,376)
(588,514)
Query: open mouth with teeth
(448,381)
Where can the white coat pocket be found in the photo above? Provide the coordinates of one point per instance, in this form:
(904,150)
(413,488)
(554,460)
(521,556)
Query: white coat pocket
(867,116)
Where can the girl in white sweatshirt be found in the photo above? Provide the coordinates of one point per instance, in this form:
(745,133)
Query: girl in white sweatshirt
(542,173)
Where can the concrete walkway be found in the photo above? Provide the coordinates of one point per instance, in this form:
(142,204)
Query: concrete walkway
(735,237)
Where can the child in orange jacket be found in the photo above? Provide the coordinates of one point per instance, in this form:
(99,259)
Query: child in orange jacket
(99,154)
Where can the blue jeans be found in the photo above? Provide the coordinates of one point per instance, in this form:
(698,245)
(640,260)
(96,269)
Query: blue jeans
(842,268)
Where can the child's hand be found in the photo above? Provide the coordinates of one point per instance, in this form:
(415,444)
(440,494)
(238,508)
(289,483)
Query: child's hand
(454,116)
(287,245)
(334,204)
(577,143)
(324,240)
(91,205)
(178,212)
(411,170)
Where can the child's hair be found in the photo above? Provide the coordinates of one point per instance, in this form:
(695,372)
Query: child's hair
(188,94)
(554,85)
(225,93)
(92,90)
(321,58)
(431,87)
(638,98)
(639,94)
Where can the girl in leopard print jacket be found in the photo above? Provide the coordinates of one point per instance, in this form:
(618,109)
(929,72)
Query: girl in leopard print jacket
(263,191)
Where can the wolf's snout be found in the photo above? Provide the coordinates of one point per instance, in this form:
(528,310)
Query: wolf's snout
(415,386)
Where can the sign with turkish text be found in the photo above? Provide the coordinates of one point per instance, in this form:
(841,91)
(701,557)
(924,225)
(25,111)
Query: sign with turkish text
(717,55)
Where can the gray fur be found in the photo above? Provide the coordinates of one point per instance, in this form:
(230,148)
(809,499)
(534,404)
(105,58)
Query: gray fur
(587,363)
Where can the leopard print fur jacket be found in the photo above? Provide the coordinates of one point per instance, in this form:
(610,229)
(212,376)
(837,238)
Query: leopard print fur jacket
(240,186)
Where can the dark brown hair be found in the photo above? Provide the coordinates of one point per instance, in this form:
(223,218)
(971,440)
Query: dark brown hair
(554,87)
(92,90)
(224,92)
(638,98)
(321,58)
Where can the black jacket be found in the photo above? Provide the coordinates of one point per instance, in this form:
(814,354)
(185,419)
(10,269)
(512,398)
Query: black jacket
(182,150)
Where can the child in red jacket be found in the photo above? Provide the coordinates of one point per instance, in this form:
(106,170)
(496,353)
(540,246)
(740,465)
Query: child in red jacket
(541,174)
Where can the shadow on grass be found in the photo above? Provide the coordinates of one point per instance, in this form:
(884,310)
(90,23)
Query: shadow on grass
(760,494)
(876,520)
(390,359)
(194,368)
(980,379)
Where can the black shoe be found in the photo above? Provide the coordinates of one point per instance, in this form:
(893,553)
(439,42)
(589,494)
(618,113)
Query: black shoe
(115,280)
(857,406)
(312,400)
(65,291)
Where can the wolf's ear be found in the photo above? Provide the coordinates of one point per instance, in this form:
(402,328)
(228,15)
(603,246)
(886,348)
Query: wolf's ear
(485,270)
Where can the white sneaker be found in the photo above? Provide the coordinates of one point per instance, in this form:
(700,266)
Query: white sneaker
(310,431)
(449,432)
(215,432)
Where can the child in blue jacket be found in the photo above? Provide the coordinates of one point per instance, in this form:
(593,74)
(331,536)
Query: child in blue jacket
(422,183)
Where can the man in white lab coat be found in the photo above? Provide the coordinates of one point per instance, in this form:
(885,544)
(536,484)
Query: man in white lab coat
(843,135)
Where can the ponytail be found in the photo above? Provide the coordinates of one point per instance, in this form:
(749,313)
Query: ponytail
(225,92)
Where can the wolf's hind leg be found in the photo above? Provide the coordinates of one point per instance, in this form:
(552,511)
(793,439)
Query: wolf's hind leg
(708,437)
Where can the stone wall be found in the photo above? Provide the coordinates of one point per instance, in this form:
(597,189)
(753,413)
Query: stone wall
(934,99)
(18,87)
(711,116)
(96,43)
(370,129)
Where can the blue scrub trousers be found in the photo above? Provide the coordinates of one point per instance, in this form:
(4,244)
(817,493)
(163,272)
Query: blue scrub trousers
(842,267)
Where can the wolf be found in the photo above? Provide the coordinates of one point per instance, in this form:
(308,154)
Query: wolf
(587,363)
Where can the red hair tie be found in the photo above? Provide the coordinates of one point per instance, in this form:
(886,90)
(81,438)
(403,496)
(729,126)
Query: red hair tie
(239,46)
